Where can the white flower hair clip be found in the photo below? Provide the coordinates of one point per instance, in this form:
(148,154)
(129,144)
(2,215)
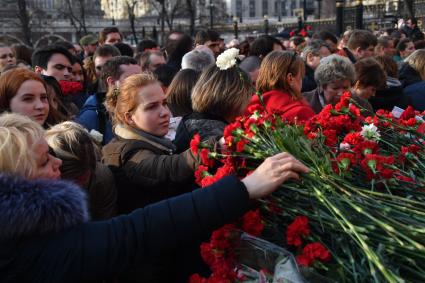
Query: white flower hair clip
(227,59)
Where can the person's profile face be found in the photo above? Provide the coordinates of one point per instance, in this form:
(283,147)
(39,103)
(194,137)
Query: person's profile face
(152,114)
(59,67)
(113,38)
(47,165)
(7,58)
(99,61)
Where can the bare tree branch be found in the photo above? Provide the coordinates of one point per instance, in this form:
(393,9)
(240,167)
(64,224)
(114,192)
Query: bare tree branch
(76,15)
(131,5)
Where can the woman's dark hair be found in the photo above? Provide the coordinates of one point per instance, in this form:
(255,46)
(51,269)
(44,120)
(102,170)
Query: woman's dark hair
(55,95)
(370,73)
(86,80)
(22,52)
(388,64)
(165,74)
(184,45)
(124,49)
(263,46)
(180,90)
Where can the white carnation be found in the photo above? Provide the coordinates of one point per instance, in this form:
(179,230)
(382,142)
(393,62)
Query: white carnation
(98,137)
(370,132)
(227,59)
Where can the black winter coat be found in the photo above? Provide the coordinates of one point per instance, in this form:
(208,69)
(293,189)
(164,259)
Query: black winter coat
(309,83)
(390,96)
(207,126)
(44,236)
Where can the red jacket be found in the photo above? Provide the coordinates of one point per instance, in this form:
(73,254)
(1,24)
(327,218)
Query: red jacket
(279,102)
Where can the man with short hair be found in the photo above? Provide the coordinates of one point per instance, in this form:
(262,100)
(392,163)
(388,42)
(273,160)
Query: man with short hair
(102,55)
(311,55)
(89,44)
(385,46)
(411,28)
(209,38)
(197,60)
(146,45)
(251,65)
(405,47)
(93,115)
(110,35)
(53,61)
(360,45)
(151,60)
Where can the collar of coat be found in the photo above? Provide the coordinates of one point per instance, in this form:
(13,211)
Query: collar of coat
(126,133)
(38,207)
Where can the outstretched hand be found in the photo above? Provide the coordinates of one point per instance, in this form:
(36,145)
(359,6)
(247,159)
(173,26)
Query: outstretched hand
(272,173)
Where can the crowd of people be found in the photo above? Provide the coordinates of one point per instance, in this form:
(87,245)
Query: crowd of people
(96,171)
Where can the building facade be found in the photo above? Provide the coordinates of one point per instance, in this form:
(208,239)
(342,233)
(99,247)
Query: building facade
(257,9)
(117,9)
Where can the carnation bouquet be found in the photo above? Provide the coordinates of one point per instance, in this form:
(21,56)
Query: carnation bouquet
(358,216)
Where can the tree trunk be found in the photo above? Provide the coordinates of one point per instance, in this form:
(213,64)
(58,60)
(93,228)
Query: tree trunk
(25,21)
(83,17)
(132,19)
(408,8)
(192,12)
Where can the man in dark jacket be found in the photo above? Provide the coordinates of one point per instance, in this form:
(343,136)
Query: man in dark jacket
(411,27)
(50,240)
(311,55)
(93,115)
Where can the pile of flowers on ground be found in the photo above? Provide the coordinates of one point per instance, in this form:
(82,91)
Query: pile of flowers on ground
(359,216)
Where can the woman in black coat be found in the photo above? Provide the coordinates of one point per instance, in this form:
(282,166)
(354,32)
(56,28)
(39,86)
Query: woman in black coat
(45,235)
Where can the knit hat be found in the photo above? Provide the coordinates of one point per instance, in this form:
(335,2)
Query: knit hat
(88,40)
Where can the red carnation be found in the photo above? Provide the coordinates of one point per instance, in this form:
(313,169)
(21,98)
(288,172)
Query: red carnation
(312,252)
(296,230)
(69,87)
(408,113)
(228,131)
(207,253)
(255,107)
(196,278)
(201,173)
(240,145)
(205,159)
(353,138)
(194,143)
(252,223)
(225,170)
(346,160)
(413,149)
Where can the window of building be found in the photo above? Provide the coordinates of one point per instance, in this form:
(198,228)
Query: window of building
(251,8)
(265,7)
(239,8)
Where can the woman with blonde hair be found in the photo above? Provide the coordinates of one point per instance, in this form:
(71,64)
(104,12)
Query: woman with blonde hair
(279,83)
(46,235)
(412,76)
(29,157)
(218,97)
(75,147)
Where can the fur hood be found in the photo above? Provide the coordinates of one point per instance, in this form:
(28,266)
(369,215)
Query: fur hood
(31,208)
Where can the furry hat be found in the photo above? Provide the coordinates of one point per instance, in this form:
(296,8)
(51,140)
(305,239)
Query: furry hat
(30,208)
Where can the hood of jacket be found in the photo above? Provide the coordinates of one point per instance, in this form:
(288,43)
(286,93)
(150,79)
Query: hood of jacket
(408,75)
(37,207)
(393,82)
